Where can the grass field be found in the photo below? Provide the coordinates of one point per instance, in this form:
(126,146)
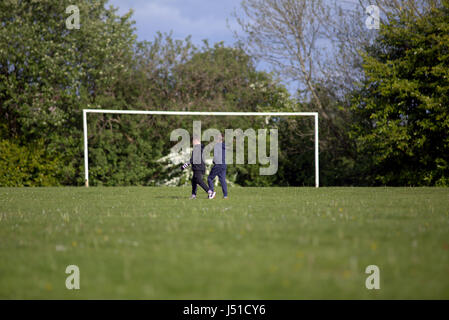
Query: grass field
(261,243)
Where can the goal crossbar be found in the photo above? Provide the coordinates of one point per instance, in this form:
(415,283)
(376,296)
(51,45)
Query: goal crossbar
(199,113)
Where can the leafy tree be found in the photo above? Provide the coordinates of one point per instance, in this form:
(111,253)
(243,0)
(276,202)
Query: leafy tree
(48,73)
(172,74)
(402,109)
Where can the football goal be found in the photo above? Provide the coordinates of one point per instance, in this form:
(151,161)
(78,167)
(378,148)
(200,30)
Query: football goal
(197,113)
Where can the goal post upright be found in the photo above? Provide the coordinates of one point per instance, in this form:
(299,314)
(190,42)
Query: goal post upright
(86,153)
(199,113)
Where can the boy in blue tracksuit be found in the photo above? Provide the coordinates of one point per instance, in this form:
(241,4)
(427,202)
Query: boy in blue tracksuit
(219,169)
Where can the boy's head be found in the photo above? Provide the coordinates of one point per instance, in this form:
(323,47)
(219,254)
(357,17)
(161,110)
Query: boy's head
(196,141)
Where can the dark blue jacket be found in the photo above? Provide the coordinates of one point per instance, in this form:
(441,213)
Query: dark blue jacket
(197,154)
(220,154)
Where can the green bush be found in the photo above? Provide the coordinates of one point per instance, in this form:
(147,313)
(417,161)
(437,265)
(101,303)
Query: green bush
(28,165)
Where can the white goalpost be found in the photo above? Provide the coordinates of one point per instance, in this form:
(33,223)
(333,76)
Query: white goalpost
(197,113)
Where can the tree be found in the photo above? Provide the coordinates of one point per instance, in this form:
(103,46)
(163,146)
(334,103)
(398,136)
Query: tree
(170,74)
(297,38)
(285,33)
(48,73)
(403,105)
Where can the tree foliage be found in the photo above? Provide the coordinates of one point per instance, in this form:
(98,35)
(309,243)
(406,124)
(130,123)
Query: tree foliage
(29,165)
(403,106)
(382,98)
(50,73)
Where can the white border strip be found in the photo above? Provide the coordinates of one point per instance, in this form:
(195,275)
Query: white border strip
(198,113)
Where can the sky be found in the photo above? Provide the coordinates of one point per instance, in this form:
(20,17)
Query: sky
(202,19)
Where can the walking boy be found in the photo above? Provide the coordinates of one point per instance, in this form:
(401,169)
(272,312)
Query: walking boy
(198,167)
(219,169)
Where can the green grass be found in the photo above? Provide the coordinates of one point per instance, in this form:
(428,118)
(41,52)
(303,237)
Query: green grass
(261,243)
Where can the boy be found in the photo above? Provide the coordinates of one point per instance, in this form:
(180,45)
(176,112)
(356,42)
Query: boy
(219,169)
(198,167)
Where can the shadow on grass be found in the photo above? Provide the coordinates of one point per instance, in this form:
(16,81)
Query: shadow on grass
(169,197)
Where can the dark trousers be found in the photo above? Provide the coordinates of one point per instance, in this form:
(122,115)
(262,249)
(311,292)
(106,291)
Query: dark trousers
(220,171)
(198,180)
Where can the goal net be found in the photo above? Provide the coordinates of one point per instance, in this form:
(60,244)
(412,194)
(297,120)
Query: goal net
(263,148)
